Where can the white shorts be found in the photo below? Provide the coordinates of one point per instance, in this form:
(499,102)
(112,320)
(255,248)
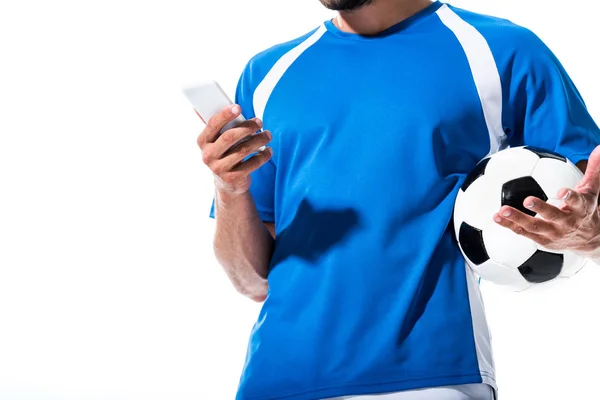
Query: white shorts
(477,391)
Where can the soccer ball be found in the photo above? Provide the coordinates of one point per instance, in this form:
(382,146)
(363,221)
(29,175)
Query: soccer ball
(508,177)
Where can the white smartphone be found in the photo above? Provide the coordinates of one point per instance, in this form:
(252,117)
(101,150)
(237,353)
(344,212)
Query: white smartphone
(208,99)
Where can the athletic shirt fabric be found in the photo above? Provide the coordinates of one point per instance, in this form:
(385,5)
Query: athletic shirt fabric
(372,138)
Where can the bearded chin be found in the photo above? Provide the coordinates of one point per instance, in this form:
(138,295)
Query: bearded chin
(346,5)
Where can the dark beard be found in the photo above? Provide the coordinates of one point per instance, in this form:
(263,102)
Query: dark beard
(345,5)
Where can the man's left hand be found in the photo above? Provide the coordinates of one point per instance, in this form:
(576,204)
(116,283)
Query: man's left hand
(575,225)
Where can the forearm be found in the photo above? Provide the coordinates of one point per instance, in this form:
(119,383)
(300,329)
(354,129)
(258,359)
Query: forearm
(242,244)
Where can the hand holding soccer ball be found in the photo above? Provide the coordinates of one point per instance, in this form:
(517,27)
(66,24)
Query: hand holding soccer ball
(516,222)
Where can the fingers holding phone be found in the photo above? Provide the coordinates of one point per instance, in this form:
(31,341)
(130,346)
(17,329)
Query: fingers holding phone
(228,139)
(227,154)
(236,143)
(218,123)
(245,145)
(247,131)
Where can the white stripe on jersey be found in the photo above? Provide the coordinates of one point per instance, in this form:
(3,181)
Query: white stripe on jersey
(484,70)
(265,88)
(489,87)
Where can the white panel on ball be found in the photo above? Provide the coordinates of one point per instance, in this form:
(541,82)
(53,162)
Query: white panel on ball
(553,175)
(479,203)
(573,263)
(506,247)
(510,164)
(501,275)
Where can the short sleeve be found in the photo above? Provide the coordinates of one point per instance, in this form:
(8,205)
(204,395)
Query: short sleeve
(547,109)
(263,179)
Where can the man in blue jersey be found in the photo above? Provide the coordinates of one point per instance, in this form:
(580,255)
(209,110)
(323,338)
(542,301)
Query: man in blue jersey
(373,121)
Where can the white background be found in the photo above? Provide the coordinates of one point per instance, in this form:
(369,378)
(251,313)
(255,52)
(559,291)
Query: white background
(108,285)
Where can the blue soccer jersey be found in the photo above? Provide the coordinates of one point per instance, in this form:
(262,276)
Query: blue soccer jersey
(372,138)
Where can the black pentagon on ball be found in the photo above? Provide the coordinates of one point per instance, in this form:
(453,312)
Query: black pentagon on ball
(542,267)
(478,171)
(543,153)
(471,241)
(516,191)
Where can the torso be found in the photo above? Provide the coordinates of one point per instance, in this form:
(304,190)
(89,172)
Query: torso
(372,139)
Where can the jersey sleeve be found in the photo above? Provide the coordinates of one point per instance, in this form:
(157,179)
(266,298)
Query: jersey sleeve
(262,187)
(547,110)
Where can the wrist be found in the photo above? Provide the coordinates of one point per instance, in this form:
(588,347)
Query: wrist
(226,197)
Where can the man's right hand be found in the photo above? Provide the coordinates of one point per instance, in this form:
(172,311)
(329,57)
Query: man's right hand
(232,173)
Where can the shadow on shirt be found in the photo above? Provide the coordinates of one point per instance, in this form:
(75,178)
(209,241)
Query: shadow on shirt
(313,233)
